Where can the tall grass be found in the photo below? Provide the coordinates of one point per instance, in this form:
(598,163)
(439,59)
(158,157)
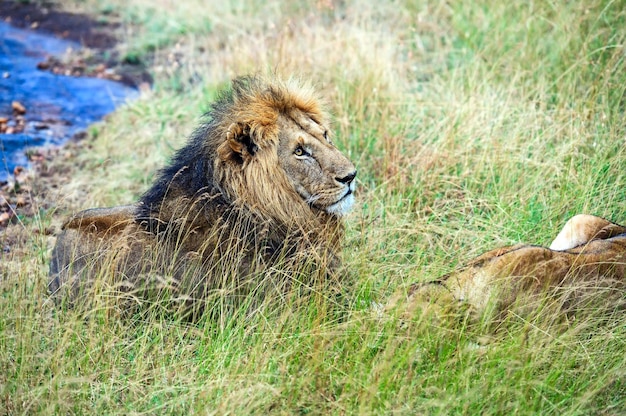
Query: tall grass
(472,125)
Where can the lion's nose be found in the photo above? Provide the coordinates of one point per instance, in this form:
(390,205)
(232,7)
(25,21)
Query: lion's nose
(347,179)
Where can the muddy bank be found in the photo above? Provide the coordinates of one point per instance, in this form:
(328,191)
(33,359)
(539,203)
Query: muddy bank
(99,38)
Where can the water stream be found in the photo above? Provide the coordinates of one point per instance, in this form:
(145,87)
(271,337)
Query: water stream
(56,106)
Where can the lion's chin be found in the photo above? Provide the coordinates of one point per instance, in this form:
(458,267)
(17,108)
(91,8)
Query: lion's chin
(341,207)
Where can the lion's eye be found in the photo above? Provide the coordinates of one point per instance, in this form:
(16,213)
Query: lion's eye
(327,138)
(300,151)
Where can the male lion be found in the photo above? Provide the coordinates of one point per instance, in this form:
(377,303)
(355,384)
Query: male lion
(586,260)
(259,184)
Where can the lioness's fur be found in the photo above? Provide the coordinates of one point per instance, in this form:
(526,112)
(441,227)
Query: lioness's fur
(588,257)
(259,183)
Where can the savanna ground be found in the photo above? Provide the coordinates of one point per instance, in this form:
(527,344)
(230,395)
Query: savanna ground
(473,125)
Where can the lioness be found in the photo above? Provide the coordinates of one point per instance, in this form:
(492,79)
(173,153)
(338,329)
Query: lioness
(588,257)
(259,183)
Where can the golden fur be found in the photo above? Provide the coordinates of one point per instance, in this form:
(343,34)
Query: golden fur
(588,258)
(258,184)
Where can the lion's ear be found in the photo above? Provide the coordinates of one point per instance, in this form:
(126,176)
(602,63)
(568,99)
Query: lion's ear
(239,145)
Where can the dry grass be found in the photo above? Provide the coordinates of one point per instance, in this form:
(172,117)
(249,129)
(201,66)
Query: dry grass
(472,126)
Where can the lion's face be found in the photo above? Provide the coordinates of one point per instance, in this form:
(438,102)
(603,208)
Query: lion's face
(318,171)
(275,156)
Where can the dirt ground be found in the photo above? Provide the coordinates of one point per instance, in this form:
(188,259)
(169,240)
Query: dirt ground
(44,17)
(31,191)
(99,38)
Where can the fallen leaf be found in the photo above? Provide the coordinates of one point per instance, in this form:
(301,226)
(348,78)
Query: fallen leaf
(18,107)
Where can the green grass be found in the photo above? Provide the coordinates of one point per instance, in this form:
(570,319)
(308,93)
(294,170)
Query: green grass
(472,126)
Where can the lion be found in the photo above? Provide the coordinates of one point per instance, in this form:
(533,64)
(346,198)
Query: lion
(259,184)
(587,259)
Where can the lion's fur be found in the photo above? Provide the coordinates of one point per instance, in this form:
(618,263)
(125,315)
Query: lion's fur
(592,262)
(228,199)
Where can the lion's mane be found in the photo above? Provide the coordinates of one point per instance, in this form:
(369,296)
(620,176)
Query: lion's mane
(207,169)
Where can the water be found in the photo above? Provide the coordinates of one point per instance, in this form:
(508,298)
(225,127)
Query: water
(57,107)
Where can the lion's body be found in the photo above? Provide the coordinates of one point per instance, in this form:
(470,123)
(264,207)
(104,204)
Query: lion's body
(259,183)
(590,260)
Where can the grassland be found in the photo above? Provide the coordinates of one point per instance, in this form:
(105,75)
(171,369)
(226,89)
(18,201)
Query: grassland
(473,125)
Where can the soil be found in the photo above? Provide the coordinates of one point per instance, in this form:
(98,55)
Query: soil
(99,38)
(29,192)
(44,17)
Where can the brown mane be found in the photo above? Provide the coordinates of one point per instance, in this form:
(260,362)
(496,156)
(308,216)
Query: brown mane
(211,167)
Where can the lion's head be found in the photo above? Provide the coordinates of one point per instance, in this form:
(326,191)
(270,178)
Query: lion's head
(267,147)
